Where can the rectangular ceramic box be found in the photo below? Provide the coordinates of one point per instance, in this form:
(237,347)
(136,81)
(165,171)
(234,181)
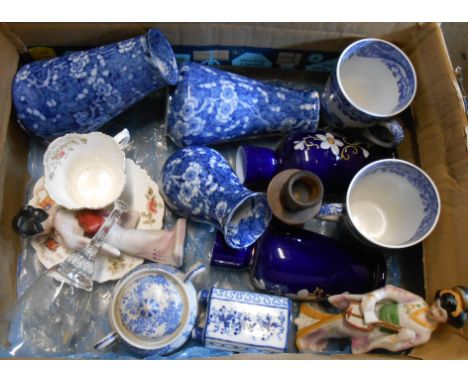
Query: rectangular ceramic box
(243,321)
(438,143)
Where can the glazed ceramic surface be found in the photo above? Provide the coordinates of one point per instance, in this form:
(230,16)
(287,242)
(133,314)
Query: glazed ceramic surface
(199,183)
(393,204)
(242,321)
(303,265)
(374,80)
(81,91)
(140,193)
(85,170)
(153,309)
(335,157)
(212,106)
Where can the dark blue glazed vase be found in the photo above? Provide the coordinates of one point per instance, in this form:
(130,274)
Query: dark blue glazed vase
(303,265)
(334,157)
(211,106)
(199,183)
(79,92)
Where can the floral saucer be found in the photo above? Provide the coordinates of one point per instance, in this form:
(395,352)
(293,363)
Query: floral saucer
(141,194)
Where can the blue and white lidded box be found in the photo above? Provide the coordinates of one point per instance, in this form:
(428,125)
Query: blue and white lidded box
(244,321)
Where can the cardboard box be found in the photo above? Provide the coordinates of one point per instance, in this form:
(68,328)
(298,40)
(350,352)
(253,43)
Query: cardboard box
(439,145)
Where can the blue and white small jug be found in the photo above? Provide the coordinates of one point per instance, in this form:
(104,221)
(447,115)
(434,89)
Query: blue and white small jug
(199,183)
(153,309)
(212,106)
(245,321)
(79,92)
(373,82)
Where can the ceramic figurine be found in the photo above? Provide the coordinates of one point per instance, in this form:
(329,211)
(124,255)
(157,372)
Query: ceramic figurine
(372,83)
(76,228)
(333,156)
(212,106)
(303,265)
(199,183)
(142,196)
(153,309)
(389,318)
(295,196)
(243,321)
(390,203)
(81,91)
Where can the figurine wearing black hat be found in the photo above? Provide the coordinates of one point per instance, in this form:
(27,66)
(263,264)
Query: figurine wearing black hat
(388,318)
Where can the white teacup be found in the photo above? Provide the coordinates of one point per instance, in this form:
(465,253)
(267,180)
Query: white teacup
(86,170)
(390,203)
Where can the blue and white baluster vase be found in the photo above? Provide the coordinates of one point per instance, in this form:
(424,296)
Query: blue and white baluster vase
(79,92)
(199,183)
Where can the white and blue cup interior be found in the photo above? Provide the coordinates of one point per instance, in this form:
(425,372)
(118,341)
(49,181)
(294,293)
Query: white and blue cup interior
(376,77)
(393,203)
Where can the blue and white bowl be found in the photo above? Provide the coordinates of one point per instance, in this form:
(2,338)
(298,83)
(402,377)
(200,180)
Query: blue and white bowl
(153,309)
(211,106)
(199,184)
(373,82)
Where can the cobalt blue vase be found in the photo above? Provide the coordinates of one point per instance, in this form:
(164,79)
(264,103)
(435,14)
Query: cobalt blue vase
(211,106)
(303,265)
(334,157)
(79,92)
(199,183)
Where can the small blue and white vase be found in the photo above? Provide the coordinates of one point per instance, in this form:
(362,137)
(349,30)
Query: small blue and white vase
(212,106)
(79,92)
(244,321)
(373,82)
(199,183)
(334,156)
(153,310)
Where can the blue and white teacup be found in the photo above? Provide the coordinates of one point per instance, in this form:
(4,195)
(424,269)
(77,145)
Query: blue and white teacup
(390,203)
(373,82)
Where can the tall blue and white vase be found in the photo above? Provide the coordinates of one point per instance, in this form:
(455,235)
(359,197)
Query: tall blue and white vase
(199,183)
(210,106)
(79,92)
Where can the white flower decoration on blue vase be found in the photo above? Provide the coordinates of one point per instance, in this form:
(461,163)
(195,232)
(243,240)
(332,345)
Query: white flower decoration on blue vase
(329,142)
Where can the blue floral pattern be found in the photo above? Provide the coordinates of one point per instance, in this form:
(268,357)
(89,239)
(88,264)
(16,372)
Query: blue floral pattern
(248,320)
(199,183)
(151,307)
(81,91)
(210,106)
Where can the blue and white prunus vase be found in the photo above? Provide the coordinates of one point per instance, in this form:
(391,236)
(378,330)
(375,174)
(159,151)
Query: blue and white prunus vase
(79,92)
(199,183)
(153,309)
(373,82)
(210,106)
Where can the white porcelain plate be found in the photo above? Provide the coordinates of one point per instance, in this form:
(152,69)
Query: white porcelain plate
(141,194)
